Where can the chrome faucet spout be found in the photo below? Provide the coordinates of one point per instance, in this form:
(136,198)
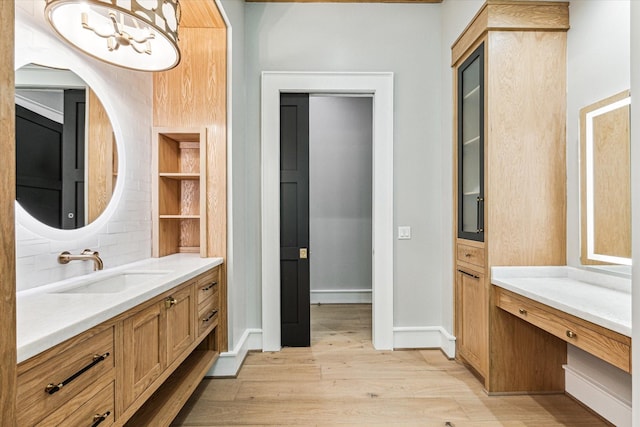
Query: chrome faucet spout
(86,255)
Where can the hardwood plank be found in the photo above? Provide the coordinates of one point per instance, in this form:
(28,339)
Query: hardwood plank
(284,388)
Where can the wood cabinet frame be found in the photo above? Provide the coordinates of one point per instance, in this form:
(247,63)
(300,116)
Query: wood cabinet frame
(157,358)
(524,178)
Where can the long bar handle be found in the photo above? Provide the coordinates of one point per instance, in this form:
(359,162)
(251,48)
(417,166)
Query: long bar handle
(54,388)
(468,274)
(210,316)
(480,214)
(205,289)
(97,418)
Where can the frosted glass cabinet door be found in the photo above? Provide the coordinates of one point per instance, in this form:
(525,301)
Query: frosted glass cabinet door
(471,147)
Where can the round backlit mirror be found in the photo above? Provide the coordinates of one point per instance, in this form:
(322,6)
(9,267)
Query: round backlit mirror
(66,157)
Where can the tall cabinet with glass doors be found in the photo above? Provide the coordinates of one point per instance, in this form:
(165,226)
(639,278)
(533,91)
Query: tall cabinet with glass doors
(509,72)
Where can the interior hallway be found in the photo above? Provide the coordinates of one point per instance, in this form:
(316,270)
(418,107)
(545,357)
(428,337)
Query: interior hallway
(342,380)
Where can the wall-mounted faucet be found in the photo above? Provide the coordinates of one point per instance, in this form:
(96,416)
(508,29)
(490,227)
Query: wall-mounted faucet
(86,255)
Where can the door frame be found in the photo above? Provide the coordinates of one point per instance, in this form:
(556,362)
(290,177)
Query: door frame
(380,86)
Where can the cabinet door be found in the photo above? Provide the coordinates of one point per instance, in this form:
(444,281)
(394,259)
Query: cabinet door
(472,319)
(180,318)
(470,100)
(144,351)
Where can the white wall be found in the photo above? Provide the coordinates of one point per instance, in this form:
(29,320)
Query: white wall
(239,262)
(361,37)
(340,186)
(123,234)
(456,15)
(598,66)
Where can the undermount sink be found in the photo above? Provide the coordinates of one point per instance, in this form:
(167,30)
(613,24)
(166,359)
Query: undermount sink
(114,284)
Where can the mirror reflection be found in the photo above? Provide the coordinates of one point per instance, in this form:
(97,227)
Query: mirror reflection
(66,157)
(606,181)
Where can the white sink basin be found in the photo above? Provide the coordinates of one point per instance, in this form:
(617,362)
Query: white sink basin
(114,284)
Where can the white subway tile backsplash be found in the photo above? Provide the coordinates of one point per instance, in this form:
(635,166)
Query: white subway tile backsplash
(127,97)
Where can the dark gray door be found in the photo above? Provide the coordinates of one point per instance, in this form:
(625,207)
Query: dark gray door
(73,159)
(294,220)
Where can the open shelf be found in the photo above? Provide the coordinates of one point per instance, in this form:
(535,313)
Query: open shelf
(165,404)
(179,190)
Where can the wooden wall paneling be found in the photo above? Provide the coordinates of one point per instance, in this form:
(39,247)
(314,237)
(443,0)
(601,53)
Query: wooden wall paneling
(526,190)
(526,154)
(8,356)
(194,94)
(100,158)
(612,183)
(343,1)
(200,14)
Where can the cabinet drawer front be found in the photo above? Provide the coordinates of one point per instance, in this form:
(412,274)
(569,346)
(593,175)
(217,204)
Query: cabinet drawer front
(74,367)
(207,285)
(98,407)
(208,314)
(470,254)
(593,339)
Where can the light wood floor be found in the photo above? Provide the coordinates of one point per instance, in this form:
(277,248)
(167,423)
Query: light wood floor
(342,380)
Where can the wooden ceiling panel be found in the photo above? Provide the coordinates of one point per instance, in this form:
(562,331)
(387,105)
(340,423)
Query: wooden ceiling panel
(200,14)
(343,1)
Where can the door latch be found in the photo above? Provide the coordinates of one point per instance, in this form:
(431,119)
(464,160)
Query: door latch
(303,253)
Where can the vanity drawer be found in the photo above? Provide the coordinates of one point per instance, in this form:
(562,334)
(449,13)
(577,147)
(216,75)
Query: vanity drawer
(207,285)
(470,254)
(603,343)
(78,364)
(100,407)
(208,314)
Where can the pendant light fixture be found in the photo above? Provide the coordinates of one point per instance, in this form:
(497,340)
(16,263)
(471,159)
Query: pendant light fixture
(136,34)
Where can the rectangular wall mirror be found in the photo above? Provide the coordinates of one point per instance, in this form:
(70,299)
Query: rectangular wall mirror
(605,181)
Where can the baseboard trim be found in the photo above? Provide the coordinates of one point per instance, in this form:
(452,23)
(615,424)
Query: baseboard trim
(341,296)
(229,363)
(597,397)
(425,337)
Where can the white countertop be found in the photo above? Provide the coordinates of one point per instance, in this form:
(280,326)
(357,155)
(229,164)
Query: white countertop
(46,318)
(599,298)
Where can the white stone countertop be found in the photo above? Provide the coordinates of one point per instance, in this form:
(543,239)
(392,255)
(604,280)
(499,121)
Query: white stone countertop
(599,298)
(46,317)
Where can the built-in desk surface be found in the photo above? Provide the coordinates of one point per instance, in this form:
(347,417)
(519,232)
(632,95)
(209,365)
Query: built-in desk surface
(599,298)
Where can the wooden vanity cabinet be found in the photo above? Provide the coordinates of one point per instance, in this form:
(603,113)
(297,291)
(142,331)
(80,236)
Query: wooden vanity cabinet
(509,91)
(472,319)
(54,385)
(136,369)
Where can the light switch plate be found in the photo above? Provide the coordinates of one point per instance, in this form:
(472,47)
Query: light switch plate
(404,232)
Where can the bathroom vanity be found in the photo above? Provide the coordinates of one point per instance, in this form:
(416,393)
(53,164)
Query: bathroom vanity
(589,310)
(121,347)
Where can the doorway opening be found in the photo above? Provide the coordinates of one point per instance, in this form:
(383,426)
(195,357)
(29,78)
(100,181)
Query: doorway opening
(380,87)
(340,214)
